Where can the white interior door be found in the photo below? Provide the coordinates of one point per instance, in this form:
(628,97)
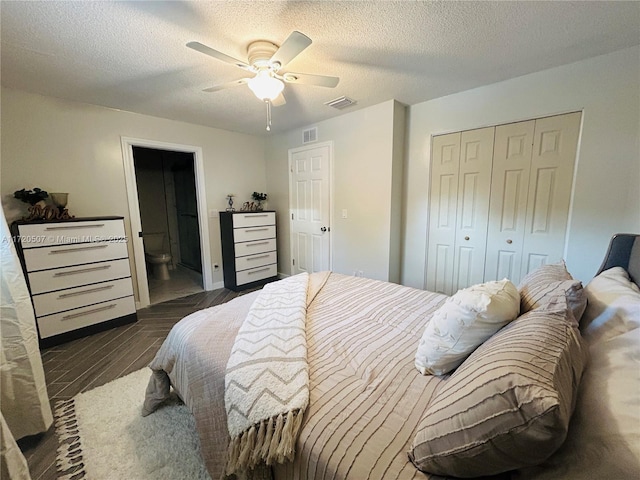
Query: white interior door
(445,168)
(555,145)
(474,184)
(310,202)
(509,190)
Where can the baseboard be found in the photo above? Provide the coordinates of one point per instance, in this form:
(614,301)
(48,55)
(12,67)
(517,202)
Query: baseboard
(217,285)
(283,275)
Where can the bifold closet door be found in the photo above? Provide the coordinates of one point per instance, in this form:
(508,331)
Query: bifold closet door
(555,145)
(445,167)
(459,209)
(509,193)
(474,187)
(533,168)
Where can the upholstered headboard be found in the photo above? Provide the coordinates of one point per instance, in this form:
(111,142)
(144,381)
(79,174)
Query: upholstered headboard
(624,251)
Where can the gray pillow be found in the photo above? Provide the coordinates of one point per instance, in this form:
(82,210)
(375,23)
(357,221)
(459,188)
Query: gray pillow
(509,404)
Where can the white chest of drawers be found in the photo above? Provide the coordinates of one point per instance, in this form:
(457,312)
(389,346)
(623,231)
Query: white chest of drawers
(249,256)
(78,275)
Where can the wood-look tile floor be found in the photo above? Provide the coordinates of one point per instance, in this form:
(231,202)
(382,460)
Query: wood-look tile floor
(89,362)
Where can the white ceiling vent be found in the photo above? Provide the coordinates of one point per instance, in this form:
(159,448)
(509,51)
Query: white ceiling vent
(310,135)
(341,102)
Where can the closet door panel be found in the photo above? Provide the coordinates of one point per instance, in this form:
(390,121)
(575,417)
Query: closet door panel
(442,212)
(509,192)
(552,165)
(476,154)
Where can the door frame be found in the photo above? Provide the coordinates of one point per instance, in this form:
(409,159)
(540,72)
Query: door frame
(291,152)
(134,211)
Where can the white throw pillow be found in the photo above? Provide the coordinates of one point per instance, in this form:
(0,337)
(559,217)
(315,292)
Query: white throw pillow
(613,306)
(464,322)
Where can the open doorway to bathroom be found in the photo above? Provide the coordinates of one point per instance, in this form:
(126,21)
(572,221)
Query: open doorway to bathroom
(167,199)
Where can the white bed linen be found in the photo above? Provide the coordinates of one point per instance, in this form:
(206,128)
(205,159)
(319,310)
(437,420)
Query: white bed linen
(604,434)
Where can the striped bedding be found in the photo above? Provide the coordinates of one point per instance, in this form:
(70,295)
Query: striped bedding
(366,397)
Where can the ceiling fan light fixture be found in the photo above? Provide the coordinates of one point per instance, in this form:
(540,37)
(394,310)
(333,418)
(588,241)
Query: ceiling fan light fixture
(265,86)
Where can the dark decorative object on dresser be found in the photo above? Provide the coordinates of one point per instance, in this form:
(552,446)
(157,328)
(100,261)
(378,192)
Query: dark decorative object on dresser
(249,256)
(78,274)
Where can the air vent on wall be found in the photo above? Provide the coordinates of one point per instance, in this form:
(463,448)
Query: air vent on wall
(310,135)
(341,102)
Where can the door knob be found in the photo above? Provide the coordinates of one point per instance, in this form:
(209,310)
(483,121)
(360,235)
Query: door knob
(509,241)
(466,238)
(323,229)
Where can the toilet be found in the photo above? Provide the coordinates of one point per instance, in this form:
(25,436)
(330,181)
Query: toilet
(156,254)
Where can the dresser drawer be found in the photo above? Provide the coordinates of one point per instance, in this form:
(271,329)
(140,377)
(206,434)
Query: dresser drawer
(82,317)
(43,234)
(259,246)
(254,233)
(254,274)
(258,260)
(67,255)
(253,219)
(53,302)
(68,277)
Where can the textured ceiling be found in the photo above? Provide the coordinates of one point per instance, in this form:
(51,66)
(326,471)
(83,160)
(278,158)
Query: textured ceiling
(132,55)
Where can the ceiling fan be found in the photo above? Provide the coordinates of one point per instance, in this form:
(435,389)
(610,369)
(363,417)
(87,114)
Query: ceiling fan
(265,59)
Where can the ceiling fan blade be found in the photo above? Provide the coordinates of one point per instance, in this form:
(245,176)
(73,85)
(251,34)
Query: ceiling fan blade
(199,47)
(222,86)
(310,79)
(278,101)
(292,46)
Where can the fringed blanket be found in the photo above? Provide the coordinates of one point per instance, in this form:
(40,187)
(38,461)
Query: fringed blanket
(267,378)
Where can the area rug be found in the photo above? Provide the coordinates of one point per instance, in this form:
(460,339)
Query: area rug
(103,436)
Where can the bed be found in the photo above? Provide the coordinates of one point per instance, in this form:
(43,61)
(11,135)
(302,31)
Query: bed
(371,414)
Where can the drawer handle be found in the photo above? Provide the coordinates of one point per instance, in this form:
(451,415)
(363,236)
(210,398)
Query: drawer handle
(259,270)
(255,244)
(257,257)
(69,227)
(82,270)
(94,310)
(256,215)
(92,247)
(83,292)
(256,229)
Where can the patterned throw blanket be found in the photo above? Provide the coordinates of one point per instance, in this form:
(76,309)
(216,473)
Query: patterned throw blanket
(267,377)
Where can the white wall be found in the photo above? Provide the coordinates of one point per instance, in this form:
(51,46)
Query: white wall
(362,184)
(63,146)
(607,194)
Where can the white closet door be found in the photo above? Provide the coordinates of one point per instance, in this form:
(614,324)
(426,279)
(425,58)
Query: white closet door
(509,191)
(552,164)
(474,186)
(445,166)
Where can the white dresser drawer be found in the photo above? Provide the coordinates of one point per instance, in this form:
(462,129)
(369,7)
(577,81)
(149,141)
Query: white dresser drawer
(248,276)
(259,246)
(43,234)
(67,255)
(67,277)
(53,302)
(258,260)
(253,219)
(82,317)
(254,233)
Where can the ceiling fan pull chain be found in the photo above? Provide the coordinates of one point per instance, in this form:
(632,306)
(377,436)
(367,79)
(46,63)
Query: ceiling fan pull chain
(268,102)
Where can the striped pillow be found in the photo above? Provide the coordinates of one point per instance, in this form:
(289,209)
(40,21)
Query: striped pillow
(540,295)
(508,405)
(545,274)
(542,285)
